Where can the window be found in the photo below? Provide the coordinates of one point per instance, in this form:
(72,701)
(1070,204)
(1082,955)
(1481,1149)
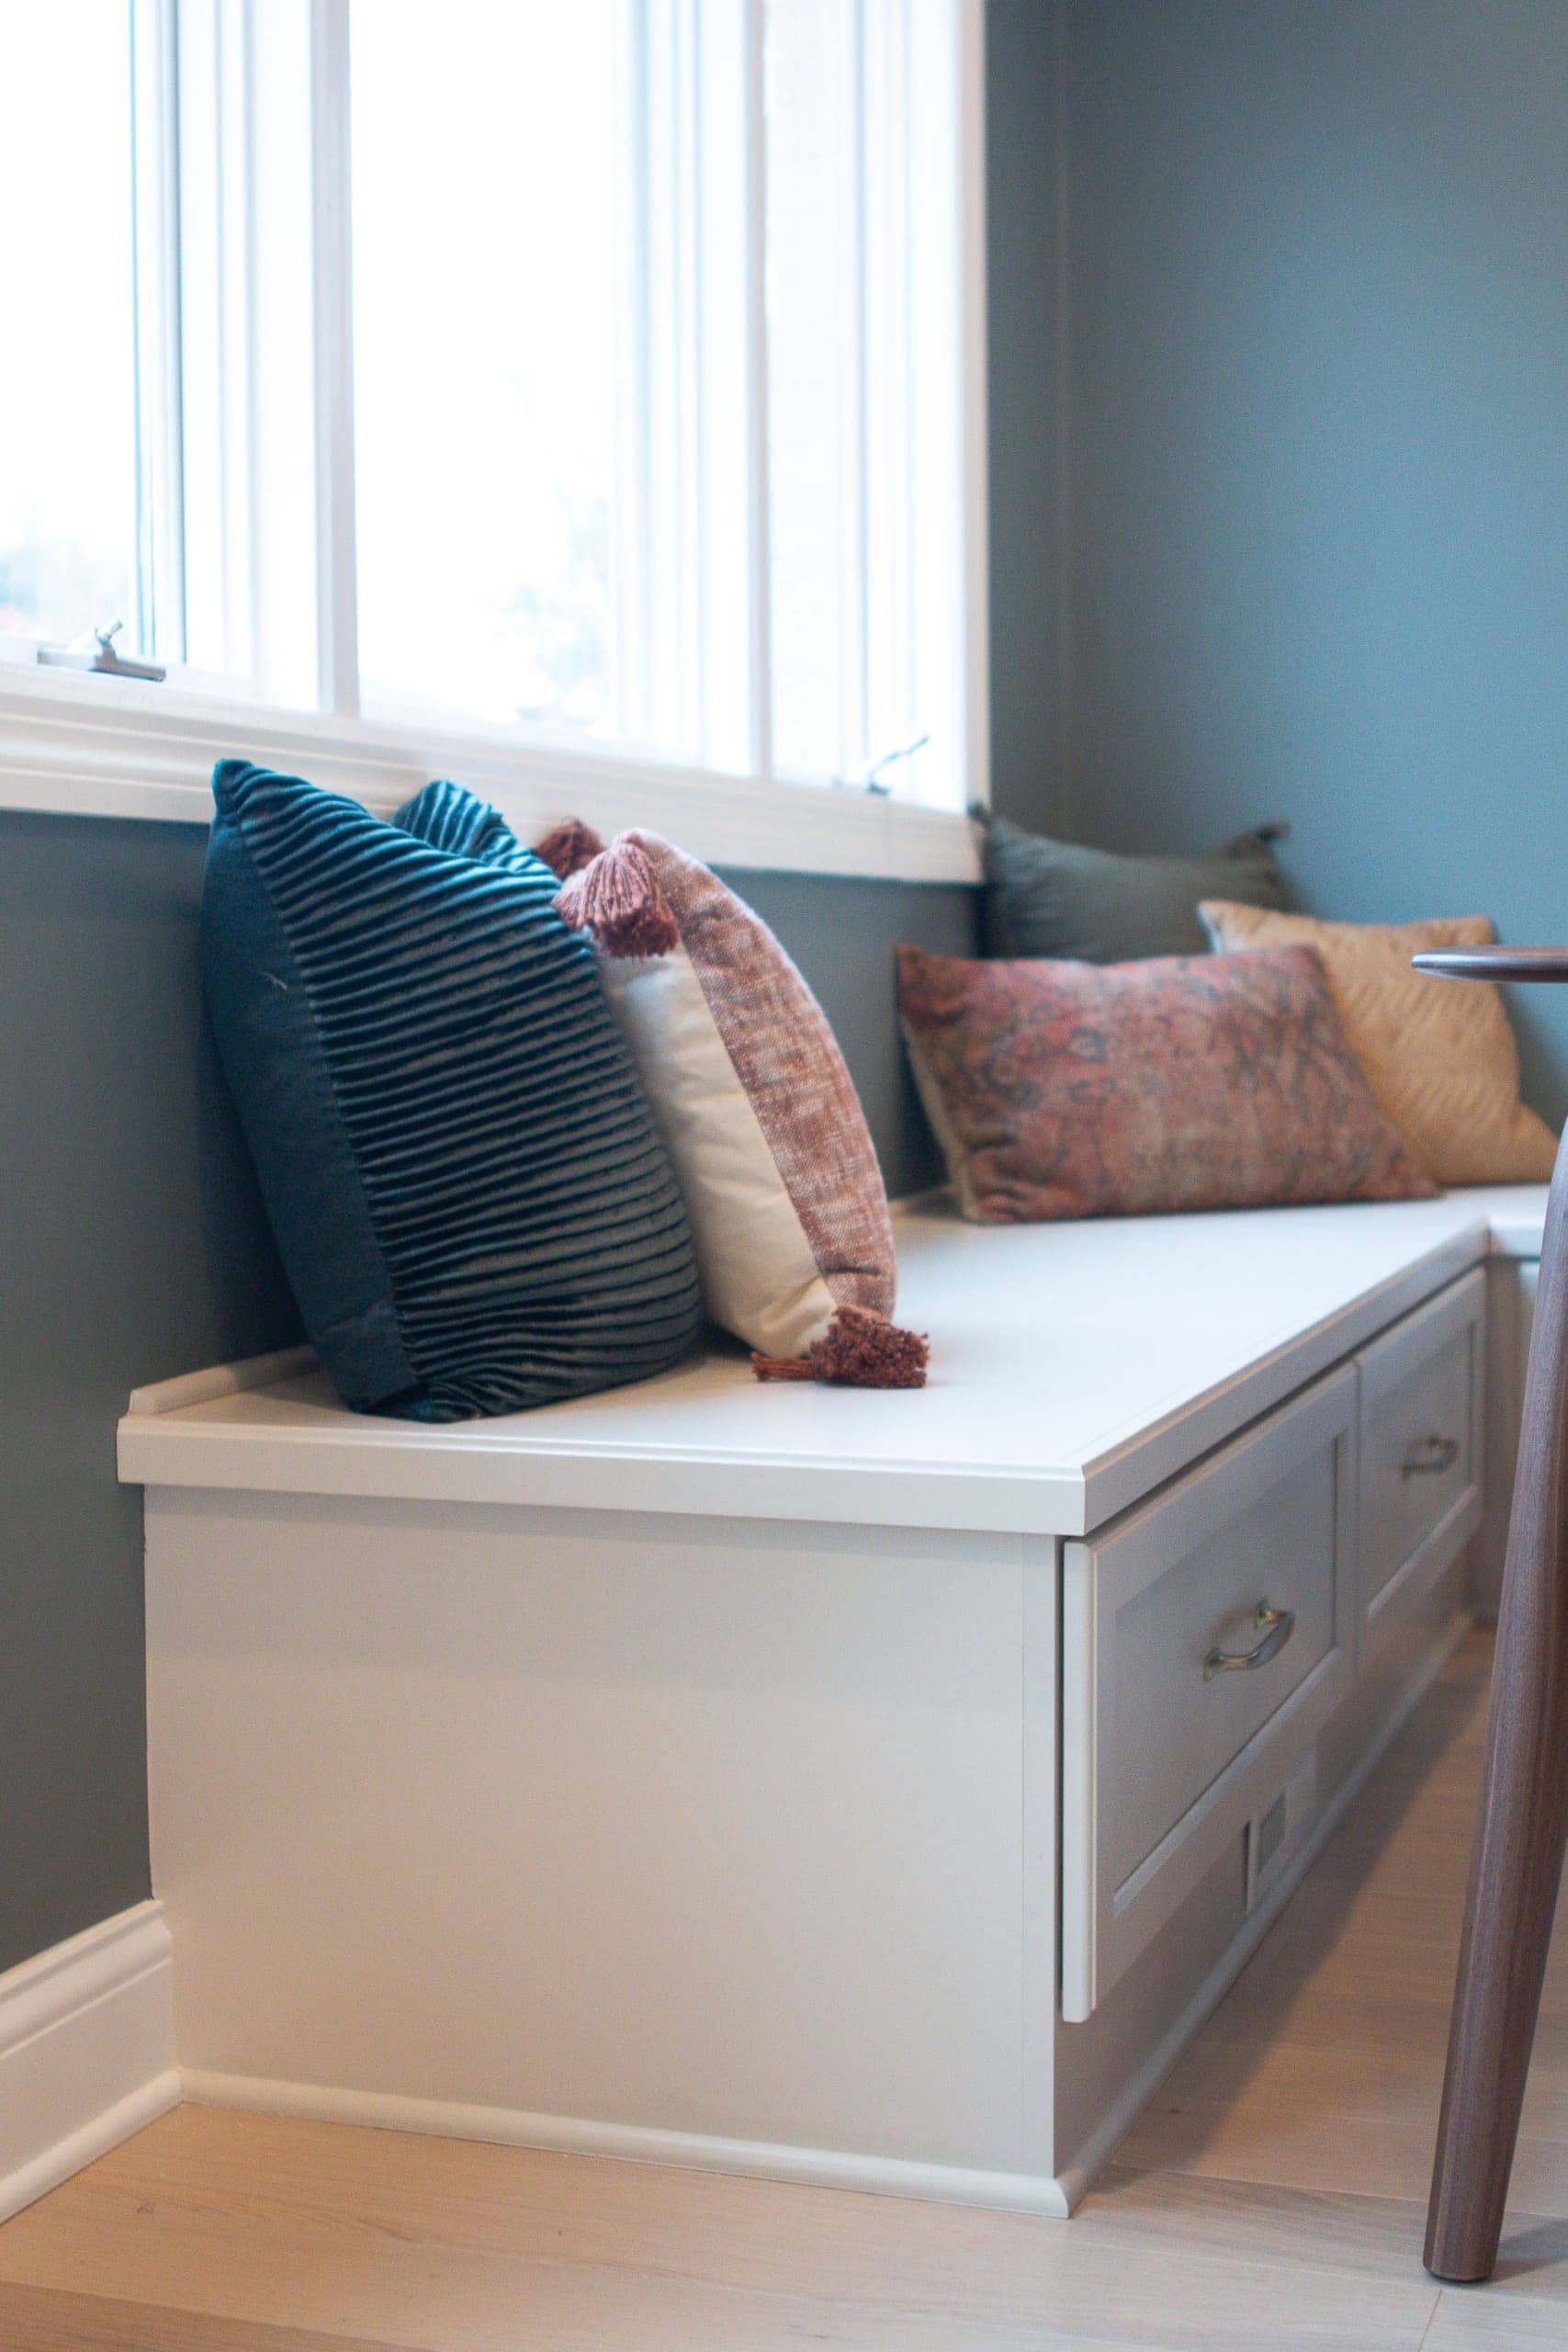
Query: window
(600,378)
(865,335)
(68,423)
(486,350)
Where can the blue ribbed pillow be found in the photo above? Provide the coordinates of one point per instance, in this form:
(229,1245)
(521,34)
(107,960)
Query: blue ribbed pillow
(470,1199)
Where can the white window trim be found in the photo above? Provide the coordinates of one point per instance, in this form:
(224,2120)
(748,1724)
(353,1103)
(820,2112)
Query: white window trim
(115,747)
(106,747)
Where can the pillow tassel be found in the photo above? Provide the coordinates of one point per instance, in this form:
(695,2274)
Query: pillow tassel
(618,902)
(858,1350)
(568,846)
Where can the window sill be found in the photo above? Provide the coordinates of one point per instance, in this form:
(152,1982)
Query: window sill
(112,747)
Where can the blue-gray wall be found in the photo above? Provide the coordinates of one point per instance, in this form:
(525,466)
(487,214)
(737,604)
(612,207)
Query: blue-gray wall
(1313,326)
(133,1246)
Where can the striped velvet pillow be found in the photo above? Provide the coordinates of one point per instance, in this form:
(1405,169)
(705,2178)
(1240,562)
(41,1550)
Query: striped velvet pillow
(468,1191)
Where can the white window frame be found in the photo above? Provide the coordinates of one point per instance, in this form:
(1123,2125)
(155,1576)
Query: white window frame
(273,585)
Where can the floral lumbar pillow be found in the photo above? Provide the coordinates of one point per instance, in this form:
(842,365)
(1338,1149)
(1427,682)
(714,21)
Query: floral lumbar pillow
(1063,1090)
(757,1111)
(1441,1061)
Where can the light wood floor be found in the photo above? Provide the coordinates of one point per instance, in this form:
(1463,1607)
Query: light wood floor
(1270,2201)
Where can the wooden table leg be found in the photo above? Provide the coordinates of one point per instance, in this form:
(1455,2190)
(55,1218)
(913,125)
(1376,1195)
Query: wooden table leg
(1516,1860)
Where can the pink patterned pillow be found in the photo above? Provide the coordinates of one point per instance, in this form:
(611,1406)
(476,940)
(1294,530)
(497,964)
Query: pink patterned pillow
(1064,1089)
(756,1109)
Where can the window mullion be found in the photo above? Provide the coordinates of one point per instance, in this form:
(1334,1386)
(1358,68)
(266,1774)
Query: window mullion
(631,583)
(941,649)
(888,549)
(671,373)
(719,439)
(856,747)
(158,622)
(759,487)
(214,362)
(971,432)
(337,657)
(687,385)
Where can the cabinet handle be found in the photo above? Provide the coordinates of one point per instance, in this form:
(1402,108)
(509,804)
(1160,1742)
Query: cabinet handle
(1277,1626)
(1429,1457)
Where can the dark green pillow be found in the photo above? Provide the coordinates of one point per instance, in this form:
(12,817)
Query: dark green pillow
(1050,898)
(469,1193)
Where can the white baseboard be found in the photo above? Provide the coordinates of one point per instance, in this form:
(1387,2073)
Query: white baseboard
(689,2151)
(86,2051)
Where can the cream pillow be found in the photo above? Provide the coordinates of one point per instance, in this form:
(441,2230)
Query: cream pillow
(1440,1057)
(758,1112)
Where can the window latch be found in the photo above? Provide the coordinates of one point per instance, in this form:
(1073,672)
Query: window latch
(873,779)
(95,651)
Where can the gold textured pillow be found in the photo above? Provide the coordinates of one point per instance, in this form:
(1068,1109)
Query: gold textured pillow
(1440,1060)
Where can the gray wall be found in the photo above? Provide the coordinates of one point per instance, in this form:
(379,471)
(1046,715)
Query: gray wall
(133,1246)
(1314,321)
(1025,189)
(843,934)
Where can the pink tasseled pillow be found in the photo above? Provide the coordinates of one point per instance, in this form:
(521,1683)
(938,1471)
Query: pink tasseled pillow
(1063,1090)
(756,1108)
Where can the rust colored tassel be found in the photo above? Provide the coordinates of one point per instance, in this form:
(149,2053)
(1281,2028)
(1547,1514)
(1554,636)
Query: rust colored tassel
(568,846)
(858,1350)
(618,902)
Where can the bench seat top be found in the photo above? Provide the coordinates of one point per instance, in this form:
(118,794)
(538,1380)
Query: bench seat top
(1074,1368)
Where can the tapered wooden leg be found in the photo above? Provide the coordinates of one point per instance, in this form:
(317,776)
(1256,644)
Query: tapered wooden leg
(1516,1860)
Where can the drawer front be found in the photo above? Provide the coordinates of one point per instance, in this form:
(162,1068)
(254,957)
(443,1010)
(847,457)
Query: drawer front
(1511,1285)
(1422,1410)
(1206,1638)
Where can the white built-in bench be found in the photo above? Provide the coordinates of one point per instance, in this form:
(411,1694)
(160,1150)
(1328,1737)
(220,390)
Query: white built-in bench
(831,1784)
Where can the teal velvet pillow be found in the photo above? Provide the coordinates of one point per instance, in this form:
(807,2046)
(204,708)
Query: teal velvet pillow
(469,1197)
(1095,906)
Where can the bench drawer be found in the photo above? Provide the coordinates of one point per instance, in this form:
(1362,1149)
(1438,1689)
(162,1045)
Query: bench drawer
(1422,1404)
(1205,1639)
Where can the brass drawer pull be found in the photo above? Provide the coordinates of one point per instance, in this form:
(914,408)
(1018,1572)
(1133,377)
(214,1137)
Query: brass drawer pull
(1277,1626)
(1429,1457)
